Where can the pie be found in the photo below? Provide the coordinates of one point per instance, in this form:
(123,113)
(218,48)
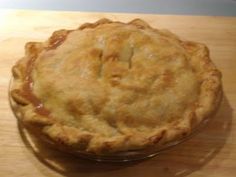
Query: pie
(111,87)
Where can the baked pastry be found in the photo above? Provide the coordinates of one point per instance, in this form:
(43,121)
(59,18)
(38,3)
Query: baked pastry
(110,87)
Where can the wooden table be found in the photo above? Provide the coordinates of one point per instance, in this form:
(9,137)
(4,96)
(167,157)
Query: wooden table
(210,153)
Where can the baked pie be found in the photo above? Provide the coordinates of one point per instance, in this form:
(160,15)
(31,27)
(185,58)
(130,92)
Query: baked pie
(111,87)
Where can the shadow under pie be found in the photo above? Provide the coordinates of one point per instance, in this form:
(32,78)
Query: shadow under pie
(182,160)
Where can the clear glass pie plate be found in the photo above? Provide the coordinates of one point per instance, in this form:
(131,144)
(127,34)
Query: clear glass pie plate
(125,156)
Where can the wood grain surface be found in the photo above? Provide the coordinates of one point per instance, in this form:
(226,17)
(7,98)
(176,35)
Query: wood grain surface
(211,153)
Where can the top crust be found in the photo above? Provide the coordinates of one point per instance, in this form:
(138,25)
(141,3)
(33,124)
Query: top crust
(111,86)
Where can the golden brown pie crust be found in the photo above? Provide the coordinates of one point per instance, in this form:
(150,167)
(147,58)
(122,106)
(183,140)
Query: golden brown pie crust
(111,86)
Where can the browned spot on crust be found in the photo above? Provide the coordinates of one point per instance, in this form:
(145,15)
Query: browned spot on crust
(139,23)
(74,106)
(93,25)
(168,78)
(156,138)
(57,38)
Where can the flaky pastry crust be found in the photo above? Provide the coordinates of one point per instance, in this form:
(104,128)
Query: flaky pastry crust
(109,87)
